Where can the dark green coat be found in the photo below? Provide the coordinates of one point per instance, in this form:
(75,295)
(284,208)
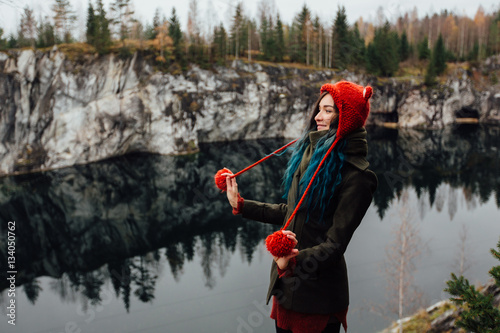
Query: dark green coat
(319,283)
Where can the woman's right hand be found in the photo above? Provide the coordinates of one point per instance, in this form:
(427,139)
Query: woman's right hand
(282,262)
(232,190)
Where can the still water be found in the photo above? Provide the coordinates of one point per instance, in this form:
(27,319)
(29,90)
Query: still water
(146,243)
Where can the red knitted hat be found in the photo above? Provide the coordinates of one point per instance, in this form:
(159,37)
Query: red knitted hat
(353,103)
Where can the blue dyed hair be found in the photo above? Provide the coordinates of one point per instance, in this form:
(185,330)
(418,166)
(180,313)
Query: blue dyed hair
(328,177)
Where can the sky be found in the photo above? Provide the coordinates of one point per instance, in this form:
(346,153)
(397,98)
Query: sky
(221,10)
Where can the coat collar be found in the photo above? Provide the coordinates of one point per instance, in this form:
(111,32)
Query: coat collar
(357,149)
(314,136)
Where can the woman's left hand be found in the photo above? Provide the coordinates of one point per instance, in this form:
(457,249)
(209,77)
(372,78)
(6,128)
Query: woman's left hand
(232,190)
(282,262)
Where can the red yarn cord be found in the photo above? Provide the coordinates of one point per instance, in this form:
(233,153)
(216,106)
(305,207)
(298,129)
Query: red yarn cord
(263,159)
(310,183)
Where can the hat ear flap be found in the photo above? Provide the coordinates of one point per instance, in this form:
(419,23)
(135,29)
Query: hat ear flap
(367,93)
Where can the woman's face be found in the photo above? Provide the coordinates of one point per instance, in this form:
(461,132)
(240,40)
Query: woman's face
(326,113)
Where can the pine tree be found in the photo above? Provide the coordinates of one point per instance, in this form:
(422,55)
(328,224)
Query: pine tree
(238,40)
(12,42)
(437,64)
(383,52)
(358,49)
(102,39)
(174,31)
(46,34)
(3,42)
(150,30)
(267,38)
(479,314)
(265,33)
(317,33)
(404,47)
(298,36)
(423,49)
(219,44)
(439,55)
(91,25)
(431,73)
(157,21)
(280,40)
(341,44)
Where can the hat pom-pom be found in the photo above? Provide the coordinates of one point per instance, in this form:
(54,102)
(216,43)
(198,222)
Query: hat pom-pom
(367,93)
(279,244)
(220,181)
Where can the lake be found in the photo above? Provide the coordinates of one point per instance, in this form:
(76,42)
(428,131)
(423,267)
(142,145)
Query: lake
(146,243)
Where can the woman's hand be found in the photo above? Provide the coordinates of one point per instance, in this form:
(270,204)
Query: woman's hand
(232,190)
(282,262)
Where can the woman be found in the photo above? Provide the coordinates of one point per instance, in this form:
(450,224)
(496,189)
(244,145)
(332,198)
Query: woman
(310,286)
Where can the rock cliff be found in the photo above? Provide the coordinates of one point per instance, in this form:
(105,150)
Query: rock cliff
(57,112)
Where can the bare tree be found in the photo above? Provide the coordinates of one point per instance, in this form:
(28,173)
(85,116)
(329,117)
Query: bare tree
(63,20)
(482,23)
(440,198)
(123,18)
(452,203)
(399,266)
(193,20)
(211,21)
(137,32)
(462,263)
(27,28)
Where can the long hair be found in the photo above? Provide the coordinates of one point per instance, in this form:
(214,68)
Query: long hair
(329,175)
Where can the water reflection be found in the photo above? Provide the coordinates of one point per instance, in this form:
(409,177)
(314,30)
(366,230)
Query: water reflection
(465,157)
(117,221)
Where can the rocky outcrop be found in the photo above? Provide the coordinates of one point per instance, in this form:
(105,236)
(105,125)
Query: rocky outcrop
(57,112)
(442,316)
(410,104)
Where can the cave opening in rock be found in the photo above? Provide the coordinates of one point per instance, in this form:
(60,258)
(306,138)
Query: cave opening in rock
(467,115)
(467,112)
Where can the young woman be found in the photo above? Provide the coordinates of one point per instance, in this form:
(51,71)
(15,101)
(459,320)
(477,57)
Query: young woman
(310,286)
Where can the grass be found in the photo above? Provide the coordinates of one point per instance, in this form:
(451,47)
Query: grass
(421,321)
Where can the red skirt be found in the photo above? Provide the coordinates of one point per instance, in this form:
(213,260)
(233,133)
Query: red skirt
(299,322)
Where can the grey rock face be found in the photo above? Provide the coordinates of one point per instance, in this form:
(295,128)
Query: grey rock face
(412,105)
(56,112)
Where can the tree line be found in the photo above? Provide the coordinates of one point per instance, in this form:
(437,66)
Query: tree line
(377,47)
